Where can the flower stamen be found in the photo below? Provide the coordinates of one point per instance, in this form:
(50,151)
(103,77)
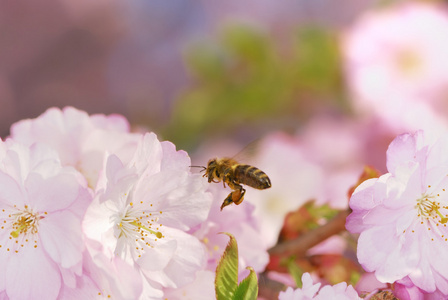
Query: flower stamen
(429,208)
(22,224)
(158,234)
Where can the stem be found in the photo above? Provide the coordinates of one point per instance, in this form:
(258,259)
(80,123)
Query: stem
(268,288)
(300,245)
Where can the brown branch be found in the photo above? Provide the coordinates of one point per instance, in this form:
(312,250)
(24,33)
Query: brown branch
(300,245)
(268,288)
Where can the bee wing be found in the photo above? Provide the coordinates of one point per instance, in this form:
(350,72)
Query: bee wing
(249,153)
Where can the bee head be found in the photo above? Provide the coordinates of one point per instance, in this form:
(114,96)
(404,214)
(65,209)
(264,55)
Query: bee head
(211,171)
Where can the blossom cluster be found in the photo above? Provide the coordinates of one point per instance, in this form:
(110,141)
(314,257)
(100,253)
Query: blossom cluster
(401,217)
(310,291)
(90,210)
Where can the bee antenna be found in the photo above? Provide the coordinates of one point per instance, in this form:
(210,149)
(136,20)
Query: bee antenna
(203,168)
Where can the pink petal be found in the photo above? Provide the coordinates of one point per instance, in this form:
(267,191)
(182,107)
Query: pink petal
(189,257)
(363,197)
(157,258)
(85,289)
(97,222)
(148,156)
(10,192)
(379,250)
(201,289)
(32,275)
(60,233)
(113,275)
(51,194)
(401,150)
(174,160)
(180,269)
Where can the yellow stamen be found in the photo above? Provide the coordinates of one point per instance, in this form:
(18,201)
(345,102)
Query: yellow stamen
(158,234)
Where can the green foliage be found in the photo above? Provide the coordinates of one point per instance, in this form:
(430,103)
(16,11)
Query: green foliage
(245,78)
(248,287)
(226,281)
(323,211)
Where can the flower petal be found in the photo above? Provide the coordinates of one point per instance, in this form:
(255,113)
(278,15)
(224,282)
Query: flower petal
(51,194)
(32,275)
(60,233)
(10,192)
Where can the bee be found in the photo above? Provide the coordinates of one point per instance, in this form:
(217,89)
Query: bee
(235,174)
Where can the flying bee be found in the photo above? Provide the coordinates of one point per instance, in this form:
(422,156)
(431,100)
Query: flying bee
(235,174)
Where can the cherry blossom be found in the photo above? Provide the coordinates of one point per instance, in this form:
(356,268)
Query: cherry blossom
(406,290)
(310,291)
(401,216)
(396,66)
(41,208)
(142,211)
(80,140)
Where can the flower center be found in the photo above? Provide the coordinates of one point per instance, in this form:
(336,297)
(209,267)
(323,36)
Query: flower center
(409,62)
(23,226)
(138,229)
(430,209)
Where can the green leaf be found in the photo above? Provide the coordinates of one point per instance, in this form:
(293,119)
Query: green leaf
(226,281)
(248,287)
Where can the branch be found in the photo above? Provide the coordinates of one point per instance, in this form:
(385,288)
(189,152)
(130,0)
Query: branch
(268,288)
(300,245)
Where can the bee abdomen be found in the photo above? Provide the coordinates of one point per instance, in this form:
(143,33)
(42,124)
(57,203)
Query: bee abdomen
(252,177)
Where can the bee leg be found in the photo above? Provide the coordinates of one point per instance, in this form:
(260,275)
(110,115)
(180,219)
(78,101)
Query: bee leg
(237,201)
(238,193)
(228,200)
(237,196)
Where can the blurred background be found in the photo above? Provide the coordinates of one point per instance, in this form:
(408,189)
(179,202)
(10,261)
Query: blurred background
(188,70)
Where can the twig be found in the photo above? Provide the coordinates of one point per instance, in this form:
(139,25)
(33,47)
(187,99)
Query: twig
(269,288)
(300,245)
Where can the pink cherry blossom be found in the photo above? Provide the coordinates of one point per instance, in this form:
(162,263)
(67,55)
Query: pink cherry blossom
(396,64)
(81,140)
(406,290)
(41,207)
(142,210)
(310,291)
(401,216)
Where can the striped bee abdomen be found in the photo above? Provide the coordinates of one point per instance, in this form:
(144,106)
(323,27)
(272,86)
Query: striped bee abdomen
(252,177)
